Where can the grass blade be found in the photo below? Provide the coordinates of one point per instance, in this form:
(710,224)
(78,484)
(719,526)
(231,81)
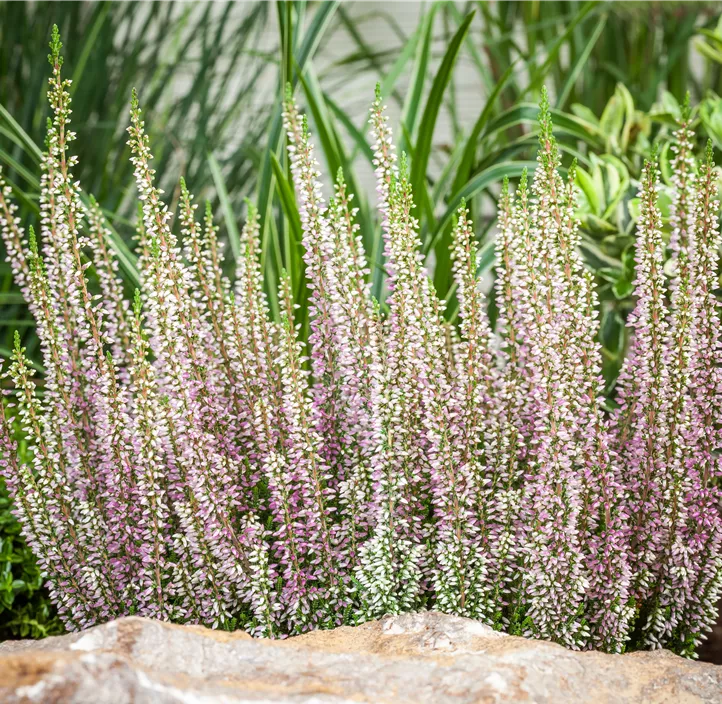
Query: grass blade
(32,149)
(90,40)
(467,160)
(311,39)
(410,112)
(234,237)
(360,143)
(288,203)
(552,55)
(433,105)
(581,62)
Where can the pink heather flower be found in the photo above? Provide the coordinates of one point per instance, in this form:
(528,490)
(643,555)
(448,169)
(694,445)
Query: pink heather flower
(253,349)
(65,533)
(309,496)
(694,580)
(505,446)
(187,462)
(601,521)
(344,328)
(642,422)
(461,443)
(407,380)
(663,607)
(553,579)
(318,243)
(202,476)
(13,236)
(357,321)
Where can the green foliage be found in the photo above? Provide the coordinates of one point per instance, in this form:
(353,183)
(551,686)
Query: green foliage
(25,609)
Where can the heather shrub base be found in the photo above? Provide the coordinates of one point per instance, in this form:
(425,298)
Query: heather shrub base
(193,460)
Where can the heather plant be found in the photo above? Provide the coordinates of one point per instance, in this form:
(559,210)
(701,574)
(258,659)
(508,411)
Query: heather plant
(193,460)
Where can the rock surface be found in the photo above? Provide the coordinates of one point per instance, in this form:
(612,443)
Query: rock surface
(414,658)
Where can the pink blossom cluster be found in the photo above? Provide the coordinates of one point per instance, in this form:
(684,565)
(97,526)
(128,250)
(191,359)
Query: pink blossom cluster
(193,460)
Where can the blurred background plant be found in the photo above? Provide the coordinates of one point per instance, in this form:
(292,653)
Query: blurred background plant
(197,68)
(461,79)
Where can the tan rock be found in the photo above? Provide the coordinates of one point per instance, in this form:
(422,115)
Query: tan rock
(414,658)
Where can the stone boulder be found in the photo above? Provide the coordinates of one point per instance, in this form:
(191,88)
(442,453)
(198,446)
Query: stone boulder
(414,658)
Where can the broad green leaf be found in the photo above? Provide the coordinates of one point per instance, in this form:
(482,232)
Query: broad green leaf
(596,256)
(709,52)
(584,113)
(612,120)
(586,184)
(596,225)
(629,115)
(528,113)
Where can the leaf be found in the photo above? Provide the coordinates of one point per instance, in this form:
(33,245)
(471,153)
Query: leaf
(629,115)
(16,166)
(311,39)
(31,148)
(330,143)
(553,52)
(11,297)
(358,139)
(234,237)
(467,159)
(619,183)
(596,225)
(581,61)
(586,184)
(622,288)
(389,81)
(431,111)
(584,113)
(712,35)
(596,257)
(634,206)
(481,181)
(528,113)
(612,119)
(90,39)
(288,201)
(409,114)
(709,52)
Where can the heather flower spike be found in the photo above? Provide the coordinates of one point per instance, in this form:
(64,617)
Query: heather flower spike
(193,459)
